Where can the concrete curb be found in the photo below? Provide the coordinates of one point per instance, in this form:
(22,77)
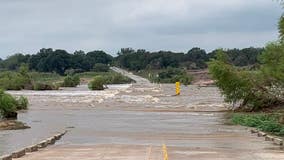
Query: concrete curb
(42,144)
(261,134)
(33,148)
(278,141)
(274,139)
(19,153)
(6,157)
(269,138)
(51,141)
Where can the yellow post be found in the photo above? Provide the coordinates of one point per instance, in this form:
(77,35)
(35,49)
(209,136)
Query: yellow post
(165,152)
(177,88)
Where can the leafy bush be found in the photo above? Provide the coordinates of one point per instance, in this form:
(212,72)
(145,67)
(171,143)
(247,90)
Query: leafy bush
(97,83)
(172,75)
(22,103)
(264,122)
(100,67)
(8,104)
(71,81)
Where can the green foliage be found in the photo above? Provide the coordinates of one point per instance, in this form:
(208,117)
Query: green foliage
(8,104)
(264,122)
(272,61)
(41,86)
(100,67)
(249,88)
(172,75)
(41,77)
(97,83)
(195,58)
(62,62)
(110,77)
(281,28)
(14,62)
(13,80)
(22,103)
(102,79)
(59,61)
(71,81)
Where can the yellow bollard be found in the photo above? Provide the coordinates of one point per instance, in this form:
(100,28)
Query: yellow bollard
(165,152)
(177,88)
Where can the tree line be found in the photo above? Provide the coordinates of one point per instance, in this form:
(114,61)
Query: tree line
(59,61)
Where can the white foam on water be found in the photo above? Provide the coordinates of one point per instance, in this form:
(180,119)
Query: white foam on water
(81,94)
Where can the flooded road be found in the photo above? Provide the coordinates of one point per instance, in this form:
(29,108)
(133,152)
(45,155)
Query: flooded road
(133,122)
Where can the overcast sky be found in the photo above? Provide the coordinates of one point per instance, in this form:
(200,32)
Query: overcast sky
(177,25)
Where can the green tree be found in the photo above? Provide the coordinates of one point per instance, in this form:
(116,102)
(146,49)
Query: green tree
(13,62)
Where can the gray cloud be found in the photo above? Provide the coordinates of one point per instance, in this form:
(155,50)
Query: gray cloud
(178,25)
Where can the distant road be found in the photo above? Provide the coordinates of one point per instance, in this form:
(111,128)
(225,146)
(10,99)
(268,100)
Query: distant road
(138,79)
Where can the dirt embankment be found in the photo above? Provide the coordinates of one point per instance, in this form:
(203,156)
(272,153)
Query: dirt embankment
(201,77)
(12,125)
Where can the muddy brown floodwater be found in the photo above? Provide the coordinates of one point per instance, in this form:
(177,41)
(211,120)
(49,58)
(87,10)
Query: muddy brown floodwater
(132,122)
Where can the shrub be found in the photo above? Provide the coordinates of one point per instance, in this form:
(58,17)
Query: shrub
(71,81)
(76,79)
(22,103)
(8,104)
(97,83)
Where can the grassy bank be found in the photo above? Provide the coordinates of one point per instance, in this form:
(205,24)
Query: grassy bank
(169,75)
(110,77)
(266,122)
(40,77)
